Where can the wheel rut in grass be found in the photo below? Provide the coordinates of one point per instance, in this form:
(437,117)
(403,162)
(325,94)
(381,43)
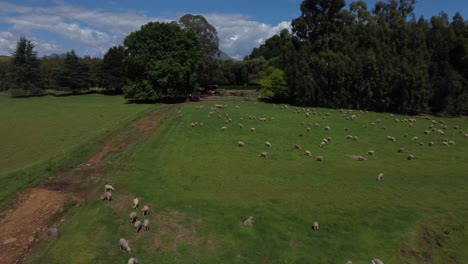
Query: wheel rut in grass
(32,214)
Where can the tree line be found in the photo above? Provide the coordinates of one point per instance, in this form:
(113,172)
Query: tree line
(337,56)
(385,59)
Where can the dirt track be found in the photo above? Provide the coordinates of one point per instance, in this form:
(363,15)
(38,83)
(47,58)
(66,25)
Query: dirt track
(29,222)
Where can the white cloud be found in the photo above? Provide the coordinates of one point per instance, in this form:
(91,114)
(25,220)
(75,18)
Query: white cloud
(8,42)
(238,35)
(93,31)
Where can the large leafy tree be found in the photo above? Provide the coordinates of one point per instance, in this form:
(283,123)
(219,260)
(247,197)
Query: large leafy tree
(114,69)
(163,60)
(25,67)
(208,37)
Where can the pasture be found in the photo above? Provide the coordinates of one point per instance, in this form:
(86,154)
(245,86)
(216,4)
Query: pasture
(36,131)
(201,186)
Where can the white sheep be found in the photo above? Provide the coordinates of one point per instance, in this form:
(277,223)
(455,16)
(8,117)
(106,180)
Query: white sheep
(108,187)
(415,138)
(268,144)
(124,245)
(223,128)
(445,143)
(390,138)
(315,226)
(380,177)
(401,150)
(361,158)
(451,142)
(349,262)
(241,125)
(322,144)
(252,129)
(133,261)
(431,143)
(376,261)
(145,210)
(146,224)
(308,153)
(263,154)
(133,217)
(297,146)
(327,128)
(241,144)
(370,152)
(410,157)
(319,158)
(135,203)
(137,226)
(106,196)
(249,221)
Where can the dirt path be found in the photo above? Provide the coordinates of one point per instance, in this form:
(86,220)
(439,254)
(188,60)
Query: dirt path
(28,223)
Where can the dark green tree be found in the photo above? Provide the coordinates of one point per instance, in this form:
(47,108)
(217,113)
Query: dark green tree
(25,79)
(163,60)
(209,42)
(114,69)
(75,74)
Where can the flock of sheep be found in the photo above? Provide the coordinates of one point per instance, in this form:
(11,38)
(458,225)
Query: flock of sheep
(437,127)
(137,224)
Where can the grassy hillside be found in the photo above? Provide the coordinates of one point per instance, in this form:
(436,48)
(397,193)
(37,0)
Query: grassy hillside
(201,186)
(36,130)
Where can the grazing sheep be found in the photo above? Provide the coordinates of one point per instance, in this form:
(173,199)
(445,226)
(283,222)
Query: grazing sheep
(451,142)
(268,144)
(249,221)
(263,154)
(297,146)
(133,261)
(308,129)
(137,226)
(376,261)
(316,124)
(241,125)
(348,137)
(380,177)
(370,152)
(124,245)
(146,224)
(421,144)
(308,153)
(349,262)
(322,144)
(415,138)
(315,226)
(465,135)
(193,125)
(401,150)
(135,203)
(355,138)
(431,143)
(307,114)
(427,132)
(252,129)
(145,210)
(301,135)
(106,196)
(390,138)
(410,157)
(327,128)
(108,187)
(223,128)
(319,158)
(133,217)
(361,158)
(241,144)
(445,143)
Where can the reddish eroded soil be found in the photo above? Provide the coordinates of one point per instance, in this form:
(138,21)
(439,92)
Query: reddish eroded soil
(27,223)
(24,226)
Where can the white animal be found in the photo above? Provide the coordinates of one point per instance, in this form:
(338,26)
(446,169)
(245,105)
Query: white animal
(133,217)
(241,144)
(268,144)
(135,202)
(108,187)
(315,226)
(137,226)
(145,210)
(146,224)
(106,196)
(133,261)
(249,221)
(263,154)
(380,177)
(124,245)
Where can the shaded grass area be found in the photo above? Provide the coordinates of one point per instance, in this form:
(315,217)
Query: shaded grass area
(42,135)
(417,214)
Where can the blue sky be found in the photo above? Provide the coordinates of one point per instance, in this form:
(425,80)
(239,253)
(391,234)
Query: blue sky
(92,27)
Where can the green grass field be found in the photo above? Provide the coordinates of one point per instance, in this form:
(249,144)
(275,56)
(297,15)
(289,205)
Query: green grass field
(38,130)
(201,186)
